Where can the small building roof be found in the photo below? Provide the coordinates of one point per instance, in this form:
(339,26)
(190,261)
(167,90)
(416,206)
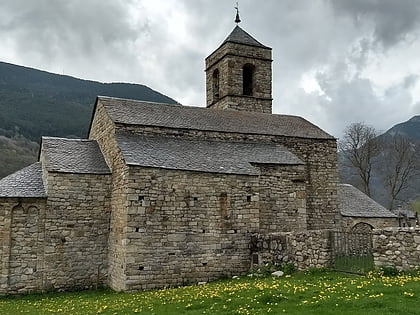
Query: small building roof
(73,156)
(201,155)
(25,183)
(239,36)
(354,203)
(132,112)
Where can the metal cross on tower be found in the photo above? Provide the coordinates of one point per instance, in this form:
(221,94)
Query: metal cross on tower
(237,19)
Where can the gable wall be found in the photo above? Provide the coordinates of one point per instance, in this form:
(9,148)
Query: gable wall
(320,156)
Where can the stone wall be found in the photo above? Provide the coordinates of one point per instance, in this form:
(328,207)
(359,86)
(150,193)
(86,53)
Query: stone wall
(282,198)
(245,103)
(22,228)
(184,226)
(76,230)
(306,249)
(320,156)
(103,131)
(56,243)
(397,247)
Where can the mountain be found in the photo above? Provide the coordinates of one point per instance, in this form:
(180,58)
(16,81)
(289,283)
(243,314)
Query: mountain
(36,103)
(409,130)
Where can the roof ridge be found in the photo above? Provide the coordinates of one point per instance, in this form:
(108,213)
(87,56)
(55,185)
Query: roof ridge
(67,139)
(134,100)
(135,112)
(201,107)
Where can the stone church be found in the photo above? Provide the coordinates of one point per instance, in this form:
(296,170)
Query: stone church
(165,195)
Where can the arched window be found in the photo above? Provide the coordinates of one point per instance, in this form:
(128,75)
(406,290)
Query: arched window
(216,84)
(248,79)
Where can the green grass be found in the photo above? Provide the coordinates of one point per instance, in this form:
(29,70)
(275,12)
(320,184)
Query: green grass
(356,264)
(312,292)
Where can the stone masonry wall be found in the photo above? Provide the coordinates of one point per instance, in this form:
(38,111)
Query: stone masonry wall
(245,103)
(307,249)
(188,226)
(22,228)
(56,243)
(397,247)
(282,198)
(320,156)
(103,131)
(76,230)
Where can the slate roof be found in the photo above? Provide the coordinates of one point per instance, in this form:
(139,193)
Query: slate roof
(25,183)
(73,156)
(132,112)
(354,203)
(239,36)
(201,155)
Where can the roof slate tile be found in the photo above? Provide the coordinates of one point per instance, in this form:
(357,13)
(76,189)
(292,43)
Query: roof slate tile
(239,36)
(25,183)
(354,203)
(73,156)
(201,155)
(132,112)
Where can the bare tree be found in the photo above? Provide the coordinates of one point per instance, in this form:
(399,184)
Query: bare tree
(359,146)
(401,166)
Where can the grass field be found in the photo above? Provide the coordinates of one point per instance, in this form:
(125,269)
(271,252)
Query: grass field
(313,292)
(356,264)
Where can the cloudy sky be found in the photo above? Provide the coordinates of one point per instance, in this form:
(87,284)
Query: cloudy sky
(335,61)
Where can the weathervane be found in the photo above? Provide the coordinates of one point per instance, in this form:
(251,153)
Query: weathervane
(237,19)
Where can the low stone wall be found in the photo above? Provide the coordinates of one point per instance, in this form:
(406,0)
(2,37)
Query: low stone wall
(306,249)
(397,247)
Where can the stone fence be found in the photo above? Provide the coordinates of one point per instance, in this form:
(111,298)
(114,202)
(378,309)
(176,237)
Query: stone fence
(397,247)
(306,249)
(392,247)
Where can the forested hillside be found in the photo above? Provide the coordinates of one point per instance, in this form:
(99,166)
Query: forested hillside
(36,103)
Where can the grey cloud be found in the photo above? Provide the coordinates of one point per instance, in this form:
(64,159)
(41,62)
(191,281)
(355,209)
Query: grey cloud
(410,81)
(416,109)
(100,40)
(393,20)
(52,29)
(354,99)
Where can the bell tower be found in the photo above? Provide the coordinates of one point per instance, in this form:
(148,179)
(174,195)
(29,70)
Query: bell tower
(238,74)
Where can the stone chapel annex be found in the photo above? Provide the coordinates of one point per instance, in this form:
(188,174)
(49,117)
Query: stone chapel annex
(164,195)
